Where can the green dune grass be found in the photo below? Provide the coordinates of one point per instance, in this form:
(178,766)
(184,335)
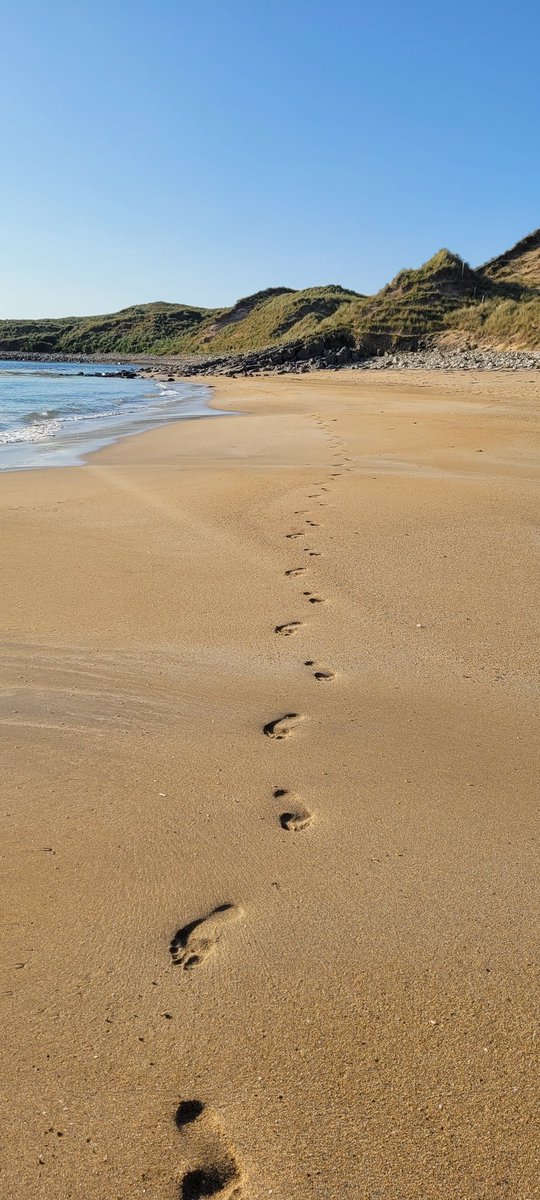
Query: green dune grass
(497,304)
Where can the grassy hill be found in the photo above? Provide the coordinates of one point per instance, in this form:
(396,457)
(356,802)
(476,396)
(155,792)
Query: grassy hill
(421,301)
(508,315)
(144,328)
(519,265)
(497,304)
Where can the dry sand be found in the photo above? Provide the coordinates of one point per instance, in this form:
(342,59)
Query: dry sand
(355,1016)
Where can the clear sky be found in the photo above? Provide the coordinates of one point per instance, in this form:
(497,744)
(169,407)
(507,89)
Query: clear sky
(198,150)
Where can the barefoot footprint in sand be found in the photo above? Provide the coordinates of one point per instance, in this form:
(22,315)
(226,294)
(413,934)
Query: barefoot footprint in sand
(320,673)
(215,1170)
(194,942)
(288,628)
(297,817)
(281,727)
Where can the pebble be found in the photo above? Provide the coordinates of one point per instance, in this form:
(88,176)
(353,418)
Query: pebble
(456,360)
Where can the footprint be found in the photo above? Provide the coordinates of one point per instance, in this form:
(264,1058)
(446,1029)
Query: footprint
(216,1179)
(187,1111)
(288,628)
(313,524)
(313,599)
(282,726)
(217,1172)
(295,821)
(320,672)
(193,943)
(296,571)
(298,817)
(294,535)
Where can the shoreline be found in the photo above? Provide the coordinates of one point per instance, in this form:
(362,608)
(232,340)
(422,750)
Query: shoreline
(219,389)
(421,376)
(360,1011)
(77,437)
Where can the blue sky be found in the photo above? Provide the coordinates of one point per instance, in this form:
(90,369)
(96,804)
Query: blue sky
(189,151)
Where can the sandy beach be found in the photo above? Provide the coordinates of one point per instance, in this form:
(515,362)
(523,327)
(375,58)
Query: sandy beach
(271,864)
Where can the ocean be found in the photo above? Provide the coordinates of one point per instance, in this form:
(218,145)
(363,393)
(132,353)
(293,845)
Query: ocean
(52,414)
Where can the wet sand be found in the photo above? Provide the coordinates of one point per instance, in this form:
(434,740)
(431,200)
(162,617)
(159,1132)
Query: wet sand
(269,708)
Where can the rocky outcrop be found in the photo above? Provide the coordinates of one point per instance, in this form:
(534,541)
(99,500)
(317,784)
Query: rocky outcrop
(335,349)
(372,352)
(362,357)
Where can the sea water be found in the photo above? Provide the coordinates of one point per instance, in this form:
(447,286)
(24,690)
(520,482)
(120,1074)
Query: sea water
(52,414)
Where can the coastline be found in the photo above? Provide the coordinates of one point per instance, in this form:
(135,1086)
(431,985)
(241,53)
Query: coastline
(365,1019)
(43,425)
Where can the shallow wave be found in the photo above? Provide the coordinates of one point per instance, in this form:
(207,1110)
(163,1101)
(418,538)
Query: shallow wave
(59,419)
(168,391)
(38,427)
(45,414)
(33,433)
